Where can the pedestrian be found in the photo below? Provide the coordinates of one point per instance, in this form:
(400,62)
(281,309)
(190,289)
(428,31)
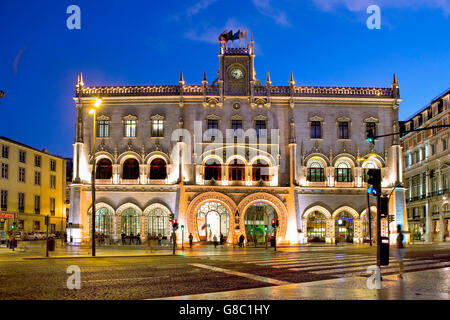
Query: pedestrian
(255,240)
(65,237)
(122,235)
(191,238)
(71,239)
(138,238)
(241,241)
(131,237)
(215,241)
(400,250)
(159,239)
(221,238)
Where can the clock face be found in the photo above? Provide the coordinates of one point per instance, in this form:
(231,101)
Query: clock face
(236,74)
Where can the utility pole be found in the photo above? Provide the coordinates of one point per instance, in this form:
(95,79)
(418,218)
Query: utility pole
(46,246)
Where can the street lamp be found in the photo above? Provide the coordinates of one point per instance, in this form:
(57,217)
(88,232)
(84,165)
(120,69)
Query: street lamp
(93,112)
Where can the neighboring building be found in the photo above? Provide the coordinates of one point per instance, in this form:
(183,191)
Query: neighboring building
(180,149)
(69,178)
(426,174)
(32,186)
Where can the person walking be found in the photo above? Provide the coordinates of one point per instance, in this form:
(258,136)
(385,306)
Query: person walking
(191,238)
(122,235)
(400,250)
(215,241)
(138,238)
(221,238)
(241,241)
(159,239)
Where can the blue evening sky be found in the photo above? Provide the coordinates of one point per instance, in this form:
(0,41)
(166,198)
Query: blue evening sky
(324,42)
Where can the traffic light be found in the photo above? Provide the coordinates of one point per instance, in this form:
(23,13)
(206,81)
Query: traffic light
(370,136)
(13,226)
(374,181)
(174,224)
(384,207)
(182,227)
(266,228)
(273,223)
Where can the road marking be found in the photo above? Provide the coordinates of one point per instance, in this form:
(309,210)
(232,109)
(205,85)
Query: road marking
(312,266)
(125,279)
(241,274)
(325,258)
(346,269)
(325,261)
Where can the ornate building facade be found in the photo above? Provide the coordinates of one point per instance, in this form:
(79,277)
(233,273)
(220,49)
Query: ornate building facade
(427,176)
(229,156)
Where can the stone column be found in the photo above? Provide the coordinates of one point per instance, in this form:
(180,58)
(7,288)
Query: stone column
(330,231)
(142,174)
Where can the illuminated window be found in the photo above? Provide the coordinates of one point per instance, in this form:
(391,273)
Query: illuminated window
(52,206)
(159,223)
(103,221)
(103,129)
(130,128)
(130,222)
(157,128)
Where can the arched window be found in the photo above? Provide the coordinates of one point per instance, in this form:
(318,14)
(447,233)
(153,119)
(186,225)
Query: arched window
(159,223)
(158,169)
(104,169)
(130,169)
(103,221)
(316,172)
(343,172)
(366,166)
(213,170)
(130,222)
(236,170)
(260,171)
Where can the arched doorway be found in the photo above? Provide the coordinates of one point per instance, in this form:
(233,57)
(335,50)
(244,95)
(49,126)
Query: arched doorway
(103,221)
(257,216)
(345,226)
(158,169)
(316,227)
(130,222)
(104,169)
(159,223)
(130,169)
(213,219)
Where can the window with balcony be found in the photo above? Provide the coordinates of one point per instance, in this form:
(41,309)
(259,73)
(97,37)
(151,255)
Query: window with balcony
(212,170)
(260,171)
(236,170)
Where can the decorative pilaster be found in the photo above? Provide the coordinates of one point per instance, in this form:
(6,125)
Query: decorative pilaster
(291,91)
(181,83)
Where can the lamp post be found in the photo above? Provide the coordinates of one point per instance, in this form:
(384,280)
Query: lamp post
(93,112)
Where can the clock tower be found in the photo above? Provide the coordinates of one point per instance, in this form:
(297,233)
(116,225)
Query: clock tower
(236,70)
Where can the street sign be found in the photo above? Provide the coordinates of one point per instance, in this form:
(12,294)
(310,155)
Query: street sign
(7,215)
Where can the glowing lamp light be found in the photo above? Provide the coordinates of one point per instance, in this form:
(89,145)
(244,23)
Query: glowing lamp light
(92,111)
(340,222)
(98,102)
(370,140)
